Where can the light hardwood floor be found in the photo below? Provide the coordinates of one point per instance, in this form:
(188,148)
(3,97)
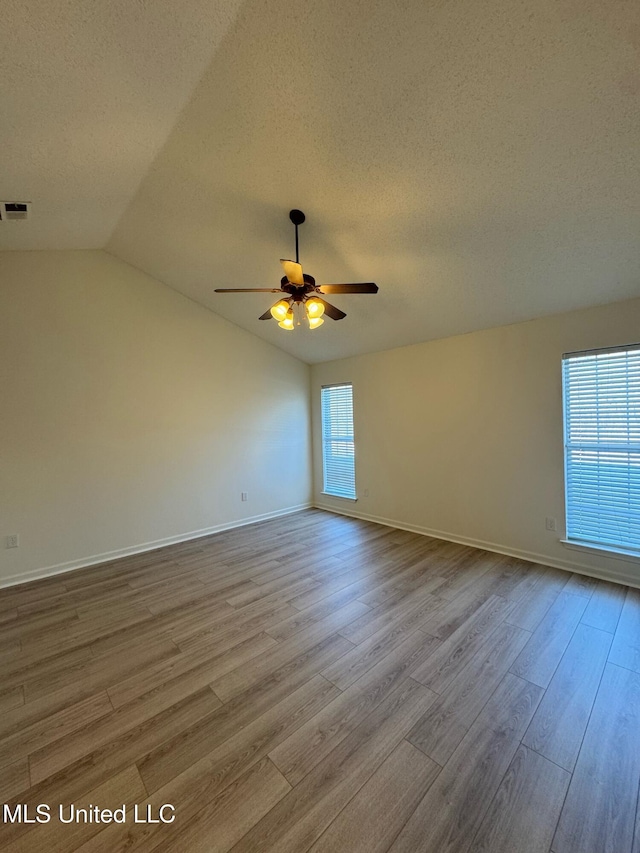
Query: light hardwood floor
(325,684)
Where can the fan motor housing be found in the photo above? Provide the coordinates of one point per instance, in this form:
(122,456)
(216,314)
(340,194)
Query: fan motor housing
(299,294)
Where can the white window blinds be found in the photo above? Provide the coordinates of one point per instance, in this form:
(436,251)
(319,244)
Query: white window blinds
(602,447)
(338,451)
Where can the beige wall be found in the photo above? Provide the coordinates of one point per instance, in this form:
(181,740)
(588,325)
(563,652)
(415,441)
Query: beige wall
(462,437)
(130,414)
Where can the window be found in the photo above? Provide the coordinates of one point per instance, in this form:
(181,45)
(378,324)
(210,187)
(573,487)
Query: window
(338,452)
(602,447)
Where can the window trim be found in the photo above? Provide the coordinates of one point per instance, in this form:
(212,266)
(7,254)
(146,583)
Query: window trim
(598,550)
(339,497)
(615,551)
(324,491)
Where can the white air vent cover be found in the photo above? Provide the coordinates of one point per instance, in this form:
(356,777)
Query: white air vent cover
(14,210)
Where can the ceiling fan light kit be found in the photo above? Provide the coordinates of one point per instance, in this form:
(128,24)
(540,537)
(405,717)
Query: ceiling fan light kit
(301,290)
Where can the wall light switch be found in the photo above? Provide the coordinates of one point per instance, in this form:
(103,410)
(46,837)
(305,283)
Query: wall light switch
(11,541)
(244,496)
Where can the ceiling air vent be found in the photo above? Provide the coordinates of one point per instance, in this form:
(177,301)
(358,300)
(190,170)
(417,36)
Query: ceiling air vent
(14,210)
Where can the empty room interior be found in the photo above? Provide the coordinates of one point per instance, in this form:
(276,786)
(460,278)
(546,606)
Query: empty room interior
(320,426)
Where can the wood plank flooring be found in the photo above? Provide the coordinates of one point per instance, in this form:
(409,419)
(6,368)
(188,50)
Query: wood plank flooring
(319,683)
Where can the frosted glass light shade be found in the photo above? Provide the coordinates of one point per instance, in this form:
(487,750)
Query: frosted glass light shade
(280,309)
(315,308)
(287,322)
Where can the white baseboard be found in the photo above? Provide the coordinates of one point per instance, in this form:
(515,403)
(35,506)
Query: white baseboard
(85,562)
(530,556)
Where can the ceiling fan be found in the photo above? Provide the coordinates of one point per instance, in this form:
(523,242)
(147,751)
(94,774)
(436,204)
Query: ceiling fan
(301,292)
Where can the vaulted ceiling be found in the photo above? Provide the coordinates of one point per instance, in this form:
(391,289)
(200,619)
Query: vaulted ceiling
(477,159)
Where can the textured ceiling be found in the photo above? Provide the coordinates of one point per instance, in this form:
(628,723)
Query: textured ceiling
(477,159)
(89,91)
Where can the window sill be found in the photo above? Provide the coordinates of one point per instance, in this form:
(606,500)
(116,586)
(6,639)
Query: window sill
(339,497)
(601,550)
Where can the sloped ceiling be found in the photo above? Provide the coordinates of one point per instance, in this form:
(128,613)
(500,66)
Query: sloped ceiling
(89,92)
(477,159)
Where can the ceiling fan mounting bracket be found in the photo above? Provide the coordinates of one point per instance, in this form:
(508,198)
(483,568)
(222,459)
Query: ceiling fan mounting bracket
(296,216)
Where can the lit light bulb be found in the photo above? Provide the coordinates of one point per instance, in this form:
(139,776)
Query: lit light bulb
(314,322)
(287,322)
(280,309)
(315,308)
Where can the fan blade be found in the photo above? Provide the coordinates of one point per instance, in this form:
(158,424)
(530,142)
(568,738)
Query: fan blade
(266,316)
(365,287)
(248,290)
(331,310)
(293,272)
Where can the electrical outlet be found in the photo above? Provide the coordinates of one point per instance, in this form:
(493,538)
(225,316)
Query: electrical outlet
(365,494)
(551,524)
(11,541)
(244,496)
